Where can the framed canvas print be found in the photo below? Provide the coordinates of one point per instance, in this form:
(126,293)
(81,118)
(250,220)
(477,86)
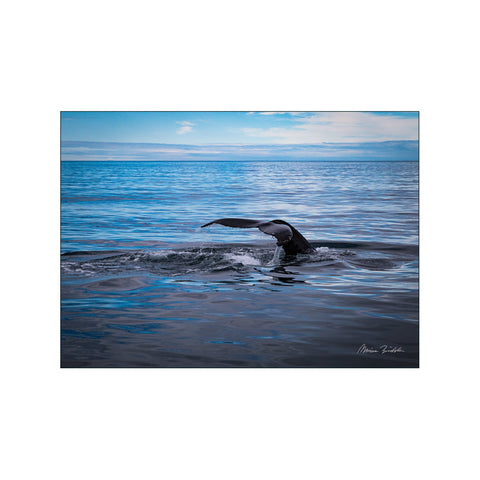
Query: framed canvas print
(239,239)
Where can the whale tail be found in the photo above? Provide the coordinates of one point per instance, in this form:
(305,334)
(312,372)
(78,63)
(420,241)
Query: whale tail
(288,237)
(298,243)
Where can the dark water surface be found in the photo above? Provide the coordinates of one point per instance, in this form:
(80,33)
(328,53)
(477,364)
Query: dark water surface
(144,286)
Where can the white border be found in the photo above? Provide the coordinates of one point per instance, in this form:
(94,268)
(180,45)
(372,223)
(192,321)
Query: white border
(239,423)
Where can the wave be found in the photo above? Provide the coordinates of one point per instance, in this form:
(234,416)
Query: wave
(179,261)
(233,257)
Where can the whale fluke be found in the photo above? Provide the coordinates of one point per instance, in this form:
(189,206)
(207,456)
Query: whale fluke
(288,237)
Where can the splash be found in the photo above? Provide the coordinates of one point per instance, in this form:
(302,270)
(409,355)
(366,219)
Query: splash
(276,256)
(243,258)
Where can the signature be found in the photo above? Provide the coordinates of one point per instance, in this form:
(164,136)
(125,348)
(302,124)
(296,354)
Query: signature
(381,349)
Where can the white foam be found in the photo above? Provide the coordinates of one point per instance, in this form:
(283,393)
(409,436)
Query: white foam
(159,253)
(243,258)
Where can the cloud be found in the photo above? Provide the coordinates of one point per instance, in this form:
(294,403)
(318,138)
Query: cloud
(186,127)
(275,113)
(325,127)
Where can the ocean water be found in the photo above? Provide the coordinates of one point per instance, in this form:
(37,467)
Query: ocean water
(142,285)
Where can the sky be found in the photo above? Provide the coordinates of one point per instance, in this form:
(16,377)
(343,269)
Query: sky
(239,135)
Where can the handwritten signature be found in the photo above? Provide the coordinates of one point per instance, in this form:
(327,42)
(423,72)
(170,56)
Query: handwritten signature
(381,349)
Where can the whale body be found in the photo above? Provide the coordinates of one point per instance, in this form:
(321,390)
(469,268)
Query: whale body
(288,237)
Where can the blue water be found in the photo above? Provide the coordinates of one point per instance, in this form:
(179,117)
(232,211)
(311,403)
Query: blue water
(144,286)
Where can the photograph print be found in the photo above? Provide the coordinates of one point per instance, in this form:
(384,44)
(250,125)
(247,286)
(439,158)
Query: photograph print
(239,239)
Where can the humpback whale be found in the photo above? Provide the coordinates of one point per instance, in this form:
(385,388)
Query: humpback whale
(288,237)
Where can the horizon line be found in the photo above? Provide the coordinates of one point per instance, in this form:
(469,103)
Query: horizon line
(239,144)
(277,161)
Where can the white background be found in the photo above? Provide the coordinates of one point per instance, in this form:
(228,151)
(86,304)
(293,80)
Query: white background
(239,424)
